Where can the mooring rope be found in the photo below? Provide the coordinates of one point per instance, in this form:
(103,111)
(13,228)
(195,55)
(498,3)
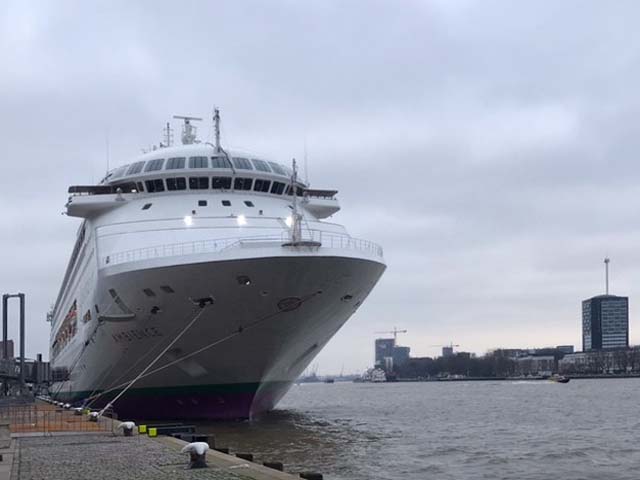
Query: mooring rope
(132,367)
(237,332)
(132,382)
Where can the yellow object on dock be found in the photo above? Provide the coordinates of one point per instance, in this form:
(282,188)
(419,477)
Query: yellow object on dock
(153,432)
(142,429)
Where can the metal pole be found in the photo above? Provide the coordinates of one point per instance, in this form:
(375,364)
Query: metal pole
(21,295)
(5,299)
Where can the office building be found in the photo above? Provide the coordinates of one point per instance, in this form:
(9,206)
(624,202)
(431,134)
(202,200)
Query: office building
(384,348)
(400,355)
(605,322)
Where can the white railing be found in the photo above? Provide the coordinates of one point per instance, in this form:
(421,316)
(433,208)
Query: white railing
(324,239)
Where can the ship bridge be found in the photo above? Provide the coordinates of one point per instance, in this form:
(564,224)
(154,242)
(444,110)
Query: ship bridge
(197,167)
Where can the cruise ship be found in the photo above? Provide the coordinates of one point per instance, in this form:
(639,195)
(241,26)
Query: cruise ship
(202,283)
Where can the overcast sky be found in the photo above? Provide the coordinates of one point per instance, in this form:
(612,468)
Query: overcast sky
(491,148)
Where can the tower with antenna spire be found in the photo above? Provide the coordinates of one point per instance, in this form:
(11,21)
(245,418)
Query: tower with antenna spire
(605,319)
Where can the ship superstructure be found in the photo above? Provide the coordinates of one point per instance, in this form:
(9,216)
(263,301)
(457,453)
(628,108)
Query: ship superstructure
(203,281)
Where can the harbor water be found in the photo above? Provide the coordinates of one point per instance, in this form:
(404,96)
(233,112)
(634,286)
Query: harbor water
(586,429)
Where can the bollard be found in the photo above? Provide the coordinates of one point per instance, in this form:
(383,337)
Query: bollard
(311,476)
(127,428)
(245,456)
(153,432)
(93,417)
(222,450)
(197,454)
(275,465)
(142,429)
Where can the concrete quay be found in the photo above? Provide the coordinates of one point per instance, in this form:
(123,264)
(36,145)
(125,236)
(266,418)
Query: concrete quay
(109,457)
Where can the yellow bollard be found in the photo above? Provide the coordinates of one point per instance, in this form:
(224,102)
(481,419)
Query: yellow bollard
(142,429)
(153,432)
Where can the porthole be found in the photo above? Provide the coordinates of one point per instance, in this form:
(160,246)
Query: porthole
(147,206)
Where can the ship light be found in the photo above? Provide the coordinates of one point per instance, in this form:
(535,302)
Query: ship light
(289,221)
(188,220)
(242,220)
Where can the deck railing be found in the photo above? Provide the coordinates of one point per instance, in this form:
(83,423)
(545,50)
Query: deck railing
(324,239)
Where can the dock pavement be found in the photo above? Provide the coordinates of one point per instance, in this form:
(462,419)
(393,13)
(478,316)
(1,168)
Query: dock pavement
(42,443)
(107,457)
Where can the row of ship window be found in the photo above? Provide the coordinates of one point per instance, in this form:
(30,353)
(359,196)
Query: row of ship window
(176,163)
(205,183)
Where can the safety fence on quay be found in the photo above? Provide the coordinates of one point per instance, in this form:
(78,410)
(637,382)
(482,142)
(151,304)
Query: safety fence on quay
(49,419)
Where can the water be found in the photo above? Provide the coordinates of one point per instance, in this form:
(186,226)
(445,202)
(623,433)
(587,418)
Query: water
(586,429)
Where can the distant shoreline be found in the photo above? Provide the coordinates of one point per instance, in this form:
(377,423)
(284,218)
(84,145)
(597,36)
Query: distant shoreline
(488,379)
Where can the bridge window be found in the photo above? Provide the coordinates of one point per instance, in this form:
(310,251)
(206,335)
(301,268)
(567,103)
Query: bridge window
(140,187)
(242,163)
(198,162)
(221,183)
(119,172)
(179,183)
(242,183)
(220,162)
(156,185)
(277,169)
(198,183)
(299,191)
(153,165)
(261,185)
(175,163)
(261,165)
(277,188)
(135,168)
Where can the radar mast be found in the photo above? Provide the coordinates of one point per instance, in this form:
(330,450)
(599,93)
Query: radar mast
(216,128)
(188,130)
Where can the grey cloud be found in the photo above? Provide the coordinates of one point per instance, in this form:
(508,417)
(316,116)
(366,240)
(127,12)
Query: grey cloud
(490,147)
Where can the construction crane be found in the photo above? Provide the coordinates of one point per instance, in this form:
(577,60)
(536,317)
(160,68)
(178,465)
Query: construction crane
(395,332)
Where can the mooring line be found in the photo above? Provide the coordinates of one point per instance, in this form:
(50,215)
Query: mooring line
(110,404)
(240,330)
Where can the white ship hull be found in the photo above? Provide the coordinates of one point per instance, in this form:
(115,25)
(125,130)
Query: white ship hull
(262,349)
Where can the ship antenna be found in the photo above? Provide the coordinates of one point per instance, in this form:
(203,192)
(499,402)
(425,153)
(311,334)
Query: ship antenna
(168,135)
(296,231)
(306,169)
(106,141)
(606,274)
(216,127)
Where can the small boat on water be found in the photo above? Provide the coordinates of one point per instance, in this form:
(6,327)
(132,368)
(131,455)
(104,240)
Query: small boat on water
(559,379)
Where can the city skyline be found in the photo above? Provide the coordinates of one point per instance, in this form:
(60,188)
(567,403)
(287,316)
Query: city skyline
(495,162)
